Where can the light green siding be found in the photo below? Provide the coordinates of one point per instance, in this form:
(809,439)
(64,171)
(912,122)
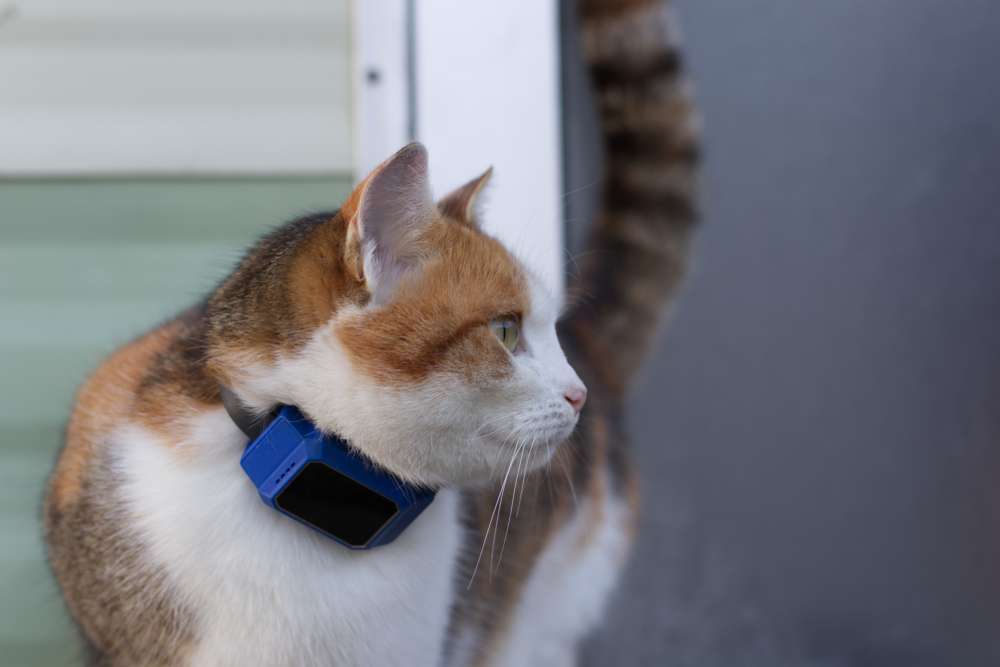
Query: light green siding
(86,265)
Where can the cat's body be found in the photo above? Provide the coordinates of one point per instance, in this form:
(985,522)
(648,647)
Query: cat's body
(376,322)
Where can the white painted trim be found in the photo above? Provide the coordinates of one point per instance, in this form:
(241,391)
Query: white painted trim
(487,93)
(381,107)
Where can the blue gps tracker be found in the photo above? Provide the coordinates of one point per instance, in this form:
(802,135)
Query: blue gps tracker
(319,481)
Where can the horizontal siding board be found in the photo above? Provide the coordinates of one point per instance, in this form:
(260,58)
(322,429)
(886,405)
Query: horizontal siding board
(184,210)
(124,87)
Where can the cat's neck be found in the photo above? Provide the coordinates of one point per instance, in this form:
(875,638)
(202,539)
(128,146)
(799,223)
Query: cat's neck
(214,523)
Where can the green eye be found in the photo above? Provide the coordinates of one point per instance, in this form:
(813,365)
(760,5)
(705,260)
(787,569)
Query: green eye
(506,330)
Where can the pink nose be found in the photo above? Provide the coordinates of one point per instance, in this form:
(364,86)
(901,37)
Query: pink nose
(577,398)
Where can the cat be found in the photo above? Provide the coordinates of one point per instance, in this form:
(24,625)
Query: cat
(398,325)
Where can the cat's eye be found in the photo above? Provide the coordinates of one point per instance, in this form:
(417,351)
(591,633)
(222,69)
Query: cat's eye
(507,331)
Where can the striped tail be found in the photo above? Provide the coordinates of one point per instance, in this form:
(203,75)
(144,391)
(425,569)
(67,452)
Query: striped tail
(638,247)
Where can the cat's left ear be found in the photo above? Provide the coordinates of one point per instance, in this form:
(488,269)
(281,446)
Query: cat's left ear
(461,205)
(387,217)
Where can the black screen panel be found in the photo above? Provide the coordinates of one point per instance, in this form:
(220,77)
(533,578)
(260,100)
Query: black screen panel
(336,504)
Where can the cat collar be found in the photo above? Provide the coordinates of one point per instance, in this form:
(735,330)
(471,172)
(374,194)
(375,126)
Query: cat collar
(319,480)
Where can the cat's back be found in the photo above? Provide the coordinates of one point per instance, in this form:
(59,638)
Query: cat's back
(87,526)
(104,403)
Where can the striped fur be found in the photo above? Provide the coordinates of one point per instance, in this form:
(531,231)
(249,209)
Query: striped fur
(648,204)
(379,332)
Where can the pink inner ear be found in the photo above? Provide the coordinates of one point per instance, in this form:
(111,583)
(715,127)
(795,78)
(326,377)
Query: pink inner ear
(396,207)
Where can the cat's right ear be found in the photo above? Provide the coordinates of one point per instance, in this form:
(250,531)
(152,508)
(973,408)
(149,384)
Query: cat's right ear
(387,215)
(462,204)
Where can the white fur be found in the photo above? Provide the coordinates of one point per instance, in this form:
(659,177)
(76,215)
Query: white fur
(267,590)
(564,597)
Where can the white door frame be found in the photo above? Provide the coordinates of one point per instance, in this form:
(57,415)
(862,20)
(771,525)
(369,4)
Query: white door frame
(482,80)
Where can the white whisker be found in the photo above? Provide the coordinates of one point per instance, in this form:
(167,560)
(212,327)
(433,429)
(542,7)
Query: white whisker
(510,515)
(518,513)
(486,535)
(502,488)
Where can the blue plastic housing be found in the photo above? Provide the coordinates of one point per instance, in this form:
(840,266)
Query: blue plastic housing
(276,458)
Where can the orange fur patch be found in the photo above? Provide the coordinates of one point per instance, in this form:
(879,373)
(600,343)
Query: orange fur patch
(103,399)
(439,322)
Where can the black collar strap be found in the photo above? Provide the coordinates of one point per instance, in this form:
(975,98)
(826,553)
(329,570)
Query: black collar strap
(251,424)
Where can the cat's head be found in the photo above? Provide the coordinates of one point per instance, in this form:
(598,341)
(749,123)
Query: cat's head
(433,349)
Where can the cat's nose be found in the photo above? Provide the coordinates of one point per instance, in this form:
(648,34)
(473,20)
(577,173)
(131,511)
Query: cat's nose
(576,398)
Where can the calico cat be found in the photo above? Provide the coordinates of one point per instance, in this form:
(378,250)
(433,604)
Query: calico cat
(398,325)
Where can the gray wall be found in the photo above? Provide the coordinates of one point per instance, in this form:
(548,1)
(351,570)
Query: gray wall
(820,426)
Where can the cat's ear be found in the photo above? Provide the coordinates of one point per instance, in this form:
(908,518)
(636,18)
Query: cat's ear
(460,204)
(387,216)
